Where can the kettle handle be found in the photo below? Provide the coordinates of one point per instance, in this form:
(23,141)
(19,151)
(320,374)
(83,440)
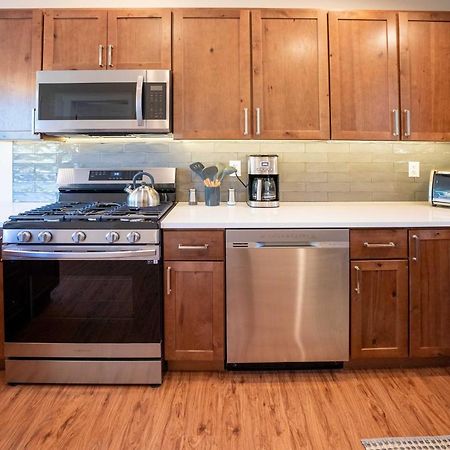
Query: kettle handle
(152,180)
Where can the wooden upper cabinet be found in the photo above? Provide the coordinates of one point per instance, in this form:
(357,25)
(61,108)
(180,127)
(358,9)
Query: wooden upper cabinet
(139,39)
(429,292)
(21,57)
(211,70)
(107,39)
(364,75)
(425,68)
(75,39)
(290,74)
(379,309)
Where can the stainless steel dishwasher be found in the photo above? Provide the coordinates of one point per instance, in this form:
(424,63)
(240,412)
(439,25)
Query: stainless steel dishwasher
(287,296)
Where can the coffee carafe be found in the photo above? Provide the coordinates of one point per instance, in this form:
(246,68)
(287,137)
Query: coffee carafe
(263,181)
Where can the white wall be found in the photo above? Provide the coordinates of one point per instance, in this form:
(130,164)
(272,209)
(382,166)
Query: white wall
(437,5)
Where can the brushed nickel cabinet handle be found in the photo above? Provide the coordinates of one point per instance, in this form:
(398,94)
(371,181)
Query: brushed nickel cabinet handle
(100,55)
(245,121)
(168,285)
(416,247)
(193,247)
(258,121)
(396,114)
(110,49)
(407,132)
(358,280)
(379,245)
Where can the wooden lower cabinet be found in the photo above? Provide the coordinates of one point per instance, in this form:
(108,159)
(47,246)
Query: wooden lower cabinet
(429,292)
(2,330)
(379,309)
(194,311)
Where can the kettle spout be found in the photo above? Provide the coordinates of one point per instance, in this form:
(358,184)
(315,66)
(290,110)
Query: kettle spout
(128,189)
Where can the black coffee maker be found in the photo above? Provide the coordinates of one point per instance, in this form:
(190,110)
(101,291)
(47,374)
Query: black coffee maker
(263,181)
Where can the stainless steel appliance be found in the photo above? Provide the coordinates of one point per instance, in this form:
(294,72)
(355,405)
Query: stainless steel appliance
(263,181)
(287,296)
(103,101)
(83,283)
(439,188)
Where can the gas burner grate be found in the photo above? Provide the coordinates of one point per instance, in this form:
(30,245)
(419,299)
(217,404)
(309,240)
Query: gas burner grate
(92,212)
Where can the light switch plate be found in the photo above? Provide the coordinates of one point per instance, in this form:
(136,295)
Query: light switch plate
(237,166)
(414,169)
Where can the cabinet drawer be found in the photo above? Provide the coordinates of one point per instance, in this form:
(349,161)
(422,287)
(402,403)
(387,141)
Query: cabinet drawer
(194,245)
(378,243)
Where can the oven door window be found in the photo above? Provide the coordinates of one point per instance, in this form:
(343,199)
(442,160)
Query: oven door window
(82,301)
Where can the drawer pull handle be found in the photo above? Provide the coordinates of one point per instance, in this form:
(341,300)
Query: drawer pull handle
(169,287)
(358,280)
(193,247)
(380,245)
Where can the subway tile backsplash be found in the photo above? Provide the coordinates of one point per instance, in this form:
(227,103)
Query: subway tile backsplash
(309,170)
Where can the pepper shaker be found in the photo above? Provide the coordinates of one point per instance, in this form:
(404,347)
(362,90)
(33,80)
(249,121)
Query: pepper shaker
(192,197)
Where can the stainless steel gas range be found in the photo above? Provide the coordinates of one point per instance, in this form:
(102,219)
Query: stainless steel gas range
(83,283)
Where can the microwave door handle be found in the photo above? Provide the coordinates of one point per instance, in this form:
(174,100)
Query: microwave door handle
(139,91)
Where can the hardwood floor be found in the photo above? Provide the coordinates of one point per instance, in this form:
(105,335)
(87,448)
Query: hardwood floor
(301,410)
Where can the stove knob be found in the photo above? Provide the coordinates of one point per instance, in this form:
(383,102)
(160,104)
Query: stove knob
(78,237)
(24,236)
(112,236)
(133,237)
(45,237)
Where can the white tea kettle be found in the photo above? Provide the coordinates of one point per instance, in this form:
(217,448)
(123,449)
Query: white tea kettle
(144,195)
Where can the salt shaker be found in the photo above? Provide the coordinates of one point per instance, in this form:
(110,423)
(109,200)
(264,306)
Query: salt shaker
(192,197)
(231,197)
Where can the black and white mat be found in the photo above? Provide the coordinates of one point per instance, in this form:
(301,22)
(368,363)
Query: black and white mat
(408,443)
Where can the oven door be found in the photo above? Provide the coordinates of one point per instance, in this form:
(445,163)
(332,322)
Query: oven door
(91,101)
(92,303)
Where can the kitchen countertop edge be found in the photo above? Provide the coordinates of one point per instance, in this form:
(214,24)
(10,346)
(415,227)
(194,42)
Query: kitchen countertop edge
(309,215)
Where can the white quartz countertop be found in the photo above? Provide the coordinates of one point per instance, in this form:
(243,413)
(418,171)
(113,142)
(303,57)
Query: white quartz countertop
(309,215)
(9,208)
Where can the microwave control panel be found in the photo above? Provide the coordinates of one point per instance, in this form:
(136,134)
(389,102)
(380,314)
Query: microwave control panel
(155,107)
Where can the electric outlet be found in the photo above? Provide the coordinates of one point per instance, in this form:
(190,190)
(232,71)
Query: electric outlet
(237,166)
(414,169)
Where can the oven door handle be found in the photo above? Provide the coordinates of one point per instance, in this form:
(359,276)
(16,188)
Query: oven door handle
(10,254)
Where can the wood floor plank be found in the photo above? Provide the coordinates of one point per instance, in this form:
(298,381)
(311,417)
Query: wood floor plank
(250,410)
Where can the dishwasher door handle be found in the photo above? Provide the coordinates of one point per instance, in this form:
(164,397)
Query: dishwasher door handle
(286,245)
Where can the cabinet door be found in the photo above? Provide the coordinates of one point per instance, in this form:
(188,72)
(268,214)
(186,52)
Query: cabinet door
(430,292)
(379,309)
(75,39)
(139,39)
(211,70)
(21,57)
(425,68)
(364,75)
(290,74)
(194,311)
(2,322)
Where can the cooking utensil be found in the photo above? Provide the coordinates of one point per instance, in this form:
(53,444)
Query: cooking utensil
(209,172)
(197,167)
(144,195)
(220,168)
(227,171)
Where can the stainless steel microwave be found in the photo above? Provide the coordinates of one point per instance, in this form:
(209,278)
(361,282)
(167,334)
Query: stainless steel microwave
(439,192)
(103,102)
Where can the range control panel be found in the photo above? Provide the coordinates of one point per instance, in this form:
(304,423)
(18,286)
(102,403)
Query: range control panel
(112,175)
